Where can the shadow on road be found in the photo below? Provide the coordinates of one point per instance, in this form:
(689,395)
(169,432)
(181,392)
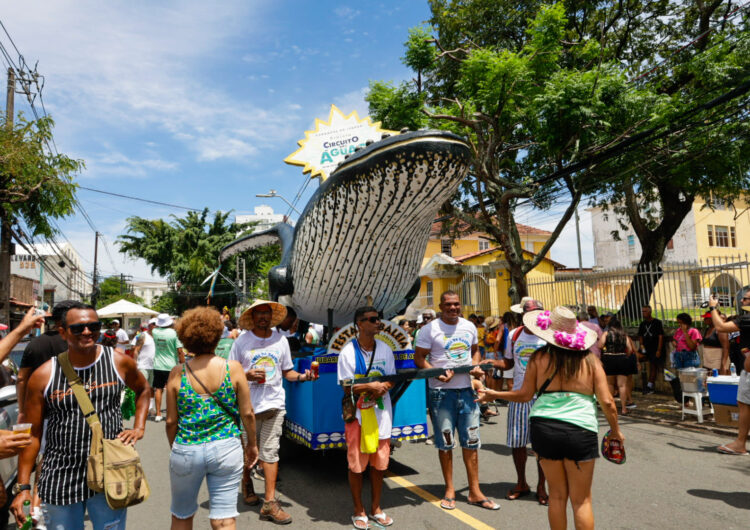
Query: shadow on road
(736,499)
(698,449)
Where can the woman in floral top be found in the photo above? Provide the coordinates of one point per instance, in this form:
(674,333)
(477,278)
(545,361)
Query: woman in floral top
(207,397)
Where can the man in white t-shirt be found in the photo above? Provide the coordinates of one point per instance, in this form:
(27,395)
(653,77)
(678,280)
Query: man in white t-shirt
(451,342)
(144,352)
(265,357)
(519,347)
(122,336)
(355,358)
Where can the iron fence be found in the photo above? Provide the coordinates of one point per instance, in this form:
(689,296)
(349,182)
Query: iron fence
(680,287)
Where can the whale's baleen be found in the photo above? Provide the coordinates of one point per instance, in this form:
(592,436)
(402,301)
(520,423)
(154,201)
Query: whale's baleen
(364,231)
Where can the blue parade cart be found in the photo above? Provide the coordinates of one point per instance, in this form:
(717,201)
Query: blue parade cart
(313,411)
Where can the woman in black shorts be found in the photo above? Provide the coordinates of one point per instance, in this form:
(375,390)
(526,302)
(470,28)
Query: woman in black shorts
(569,381)
(619,361)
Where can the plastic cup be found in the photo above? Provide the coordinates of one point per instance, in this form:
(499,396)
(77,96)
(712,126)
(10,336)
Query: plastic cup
(22,428)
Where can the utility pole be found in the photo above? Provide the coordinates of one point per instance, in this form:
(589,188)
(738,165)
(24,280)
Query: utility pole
(5,219)
(580,261)
(95,289)
(244,281)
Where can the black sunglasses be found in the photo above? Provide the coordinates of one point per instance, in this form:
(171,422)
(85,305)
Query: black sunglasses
(77,329)
(371,320)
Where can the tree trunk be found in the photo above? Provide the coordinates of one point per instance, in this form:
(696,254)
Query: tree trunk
(5,244)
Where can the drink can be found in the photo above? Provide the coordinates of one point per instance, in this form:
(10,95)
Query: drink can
(315,368)
(263,381)
(714,372)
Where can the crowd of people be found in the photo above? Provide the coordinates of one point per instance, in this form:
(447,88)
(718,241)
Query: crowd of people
(225,400)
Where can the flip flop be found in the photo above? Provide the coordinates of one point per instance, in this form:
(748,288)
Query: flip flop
(448,503)
(486,504)
(360,522)
(381,518)
(723,449)
(514,494)
(542,499)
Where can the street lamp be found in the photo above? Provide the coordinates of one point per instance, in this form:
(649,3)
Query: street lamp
(272,193)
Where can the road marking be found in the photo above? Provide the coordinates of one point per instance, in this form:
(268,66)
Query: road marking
(429,497)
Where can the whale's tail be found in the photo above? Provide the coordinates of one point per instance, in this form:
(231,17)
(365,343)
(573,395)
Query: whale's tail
(279,281)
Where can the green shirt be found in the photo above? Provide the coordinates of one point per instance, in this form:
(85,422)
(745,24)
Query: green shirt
(223,348)
(166,342)
(570,407)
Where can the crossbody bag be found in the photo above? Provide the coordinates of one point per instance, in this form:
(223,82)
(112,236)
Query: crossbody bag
(349,401)
(113,467)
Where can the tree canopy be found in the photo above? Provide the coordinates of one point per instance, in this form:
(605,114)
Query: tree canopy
(555,105)
(114,288)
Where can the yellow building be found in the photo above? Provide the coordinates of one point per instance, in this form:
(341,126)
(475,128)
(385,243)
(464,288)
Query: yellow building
(476,269)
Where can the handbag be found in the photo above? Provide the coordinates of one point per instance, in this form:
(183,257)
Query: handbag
(230,413)
(113,467)
(349,401)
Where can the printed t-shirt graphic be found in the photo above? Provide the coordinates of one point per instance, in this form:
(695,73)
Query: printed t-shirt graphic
(383,364)
(520,351)
(450,347)
(272,354)
(167,343)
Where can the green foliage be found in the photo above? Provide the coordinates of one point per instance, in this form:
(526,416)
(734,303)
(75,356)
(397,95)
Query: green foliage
(395,107)
(166,303)
(112,289)
(420,52)
(35,185)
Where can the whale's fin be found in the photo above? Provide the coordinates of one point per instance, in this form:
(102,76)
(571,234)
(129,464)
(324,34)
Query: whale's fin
(282,233)
(279,281)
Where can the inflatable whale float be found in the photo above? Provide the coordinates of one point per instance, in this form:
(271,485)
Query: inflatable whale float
(363,234)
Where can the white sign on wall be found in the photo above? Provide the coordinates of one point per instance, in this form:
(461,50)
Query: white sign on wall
(325,147)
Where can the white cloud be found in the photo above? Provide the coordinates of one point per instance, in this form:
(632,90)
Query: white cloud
(137,66)
(354,100)
(346,12)
(118,164)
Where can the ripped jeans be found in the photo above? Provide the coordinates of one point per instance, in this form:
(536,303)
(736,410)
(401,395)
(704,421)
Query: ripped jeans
(451,410)
(70,516)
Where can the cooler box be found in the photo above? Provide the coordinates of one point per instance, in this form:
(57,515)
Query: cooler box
(722,389)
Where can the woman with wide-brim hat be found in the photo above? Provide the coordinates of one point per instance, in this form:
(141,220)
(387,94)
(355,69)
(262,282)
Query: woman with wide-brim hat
(569,380)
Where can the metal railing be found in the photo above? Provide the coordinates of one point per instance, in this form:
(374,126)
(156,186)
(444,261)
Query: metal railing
(678,287)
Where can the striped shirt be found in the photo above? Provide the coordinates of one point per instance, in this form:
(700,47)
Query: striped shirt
(68,436)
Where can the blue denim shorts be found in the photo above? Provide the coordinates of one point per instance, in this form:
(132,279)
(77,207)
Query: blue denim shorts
(451,410)
(220,462)
(70,516)
(685,359)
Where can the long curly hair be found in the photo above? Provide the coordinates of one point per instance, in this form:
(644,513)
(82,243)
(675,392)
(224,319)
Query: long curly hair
(199,329)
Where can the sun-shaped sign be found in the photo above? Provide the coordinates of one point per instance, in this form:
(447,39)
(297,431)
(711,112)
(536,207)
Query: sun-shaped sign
(321,150)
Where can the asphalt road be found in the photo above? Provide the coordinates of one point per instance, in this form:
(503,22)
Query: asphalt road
(673,478)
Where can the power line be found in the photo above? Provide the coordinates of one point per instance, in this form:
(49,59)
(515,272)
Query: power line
(141,199)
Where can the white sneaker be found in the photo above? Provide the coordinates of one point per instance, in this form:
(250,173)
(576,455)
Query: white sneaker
(157,419)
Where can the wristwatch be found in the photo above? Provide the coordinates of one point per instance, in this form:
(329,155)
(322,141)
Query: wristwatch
(18,488)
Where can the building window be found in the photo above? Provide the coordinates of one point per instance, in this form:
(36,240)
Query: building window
(430,296)
(733,237)
(631,246)
(718,203)
(722,236)
(445,246)
(710,235)
(484,244)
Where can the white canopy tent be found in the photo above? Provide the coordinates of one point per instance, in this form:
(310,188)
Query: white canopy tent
(124,309)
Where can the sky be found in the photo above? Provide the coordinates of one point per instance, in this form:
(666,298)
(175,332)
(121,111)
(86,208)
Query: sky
(198,103)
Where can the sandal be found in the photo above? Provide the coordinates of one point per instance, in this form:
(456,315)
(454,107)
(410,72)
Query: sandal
(382,519)
(542,499)
(360,522)
(514,494)
(486,504)
(448,503)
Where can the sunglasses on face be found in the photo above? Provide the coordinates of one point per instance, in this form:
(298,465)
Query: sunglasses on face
(77,329)
(371,320)
(425,318)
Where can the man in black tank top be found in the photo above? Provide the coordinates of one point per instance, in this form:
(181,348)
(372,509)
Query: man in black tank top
(62,484)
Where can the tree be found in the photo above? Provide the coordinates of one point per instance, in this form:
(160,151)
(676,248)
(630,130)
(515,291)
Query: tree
(186,251)
(553,104)
(115,288)
(35,186)
(529,103)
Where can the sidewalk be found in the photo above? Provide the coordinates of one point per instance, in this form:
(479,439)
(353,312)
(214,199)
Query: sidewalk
(662,408)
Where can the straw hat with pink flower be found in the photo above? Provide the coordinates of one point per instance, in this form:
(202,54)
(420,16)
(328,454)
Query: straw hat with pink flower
(559,327)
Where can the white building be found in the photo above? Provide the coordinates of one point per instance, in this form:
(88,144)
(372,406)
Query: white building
(59,271)
(264,216)
(149,291)
(625,252)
